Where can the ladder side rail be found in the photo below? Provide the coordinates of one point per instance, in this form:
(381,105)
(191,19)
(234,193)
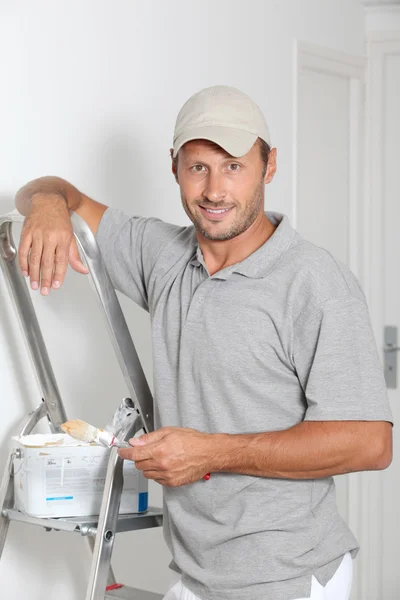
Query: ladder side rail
(101,571)
(117,327)
(7,483)
(111,580)
(6,499)
(30,326)
(107,527)
(33,419)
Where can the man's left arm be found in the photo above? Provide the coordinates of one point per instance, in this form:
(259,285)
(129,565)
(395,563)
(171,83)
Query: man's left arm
(176,456)
(309,450)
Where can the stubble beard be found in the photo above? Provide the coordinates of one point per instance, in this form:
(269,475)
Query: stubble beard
(240,224)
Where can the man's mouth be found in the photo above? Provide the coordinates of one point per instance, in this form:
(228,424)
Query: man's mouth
(215,212)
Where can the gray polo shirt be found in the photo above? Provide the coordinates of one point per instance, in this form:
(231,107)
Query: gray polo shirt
(278,338)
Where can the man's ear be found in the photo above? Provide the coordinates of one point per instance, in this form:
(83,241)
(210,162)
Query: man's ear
(174,171)
(271,167)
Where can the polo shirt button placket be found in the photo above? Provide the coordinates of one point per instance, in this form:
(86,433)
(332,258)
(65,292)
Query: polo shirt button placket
(197,305)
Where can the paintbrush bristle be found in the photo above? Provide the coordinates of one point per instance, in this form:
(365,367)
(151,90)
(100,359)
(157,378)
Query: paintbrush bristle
(80,430)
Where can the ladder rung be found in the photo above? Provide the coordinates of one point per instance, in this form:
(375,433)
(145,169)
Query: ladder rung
(129,593)
(88,525)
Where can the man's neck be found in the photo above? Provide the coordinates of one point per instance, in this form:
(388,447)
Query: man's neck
(221,254)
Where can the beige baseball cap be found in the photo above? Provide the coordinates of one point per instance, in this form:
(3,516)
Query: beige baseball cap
(224,115)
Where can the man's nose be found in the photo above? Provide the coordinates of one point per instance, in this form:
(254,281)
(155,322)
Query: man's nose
(215,187)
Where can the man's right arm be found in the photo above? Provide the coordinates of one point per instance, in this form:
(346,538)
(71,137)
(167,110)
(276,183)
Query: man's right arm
(47,241)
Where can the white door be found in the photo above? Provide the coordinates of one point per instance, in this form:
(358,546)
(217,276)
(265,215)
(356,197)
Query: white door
(383,181)
(327,195)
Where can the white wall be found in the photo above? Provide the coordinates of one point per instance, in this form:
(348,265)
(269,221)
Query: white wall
(90,91)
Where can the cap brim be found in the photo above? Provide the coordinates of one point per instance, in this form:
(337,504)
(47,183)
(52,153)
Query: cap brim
(234,141)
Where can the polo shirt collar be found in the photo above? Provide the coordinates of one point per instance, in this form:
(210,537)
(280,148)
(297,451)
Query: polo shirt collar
(264,259)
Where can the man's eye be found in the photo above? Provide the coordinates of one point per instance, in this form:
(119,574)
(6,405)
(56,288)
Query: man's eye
(234,165)
(197,168)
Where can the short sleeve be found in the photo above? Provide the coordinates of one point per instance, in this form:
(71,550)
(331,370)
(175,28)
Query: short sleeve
(129,247)
(338,365)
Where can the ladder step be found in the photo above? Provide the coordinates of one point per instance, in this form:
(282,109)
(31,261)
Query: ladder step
(153,517)
(129,593)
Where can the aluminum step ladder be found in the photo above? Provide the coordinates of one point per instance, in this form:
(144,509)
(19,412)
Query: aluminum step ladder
(100,531)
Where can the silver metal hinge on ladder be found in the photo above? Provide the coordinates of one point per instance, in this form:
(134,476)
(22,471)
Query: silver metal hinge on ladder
(101,530)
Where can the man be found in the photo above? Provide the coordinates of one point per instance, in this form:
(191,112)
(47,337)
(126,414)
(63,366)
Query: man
(266,372)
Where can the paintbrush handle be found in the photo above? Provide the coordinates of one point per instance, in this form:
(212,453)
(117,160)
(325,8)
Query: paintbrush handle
(105,438)
(121,444)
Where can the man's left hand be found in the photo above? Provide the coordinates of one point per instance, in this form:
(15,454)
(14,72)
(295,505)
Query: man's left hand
(172,456)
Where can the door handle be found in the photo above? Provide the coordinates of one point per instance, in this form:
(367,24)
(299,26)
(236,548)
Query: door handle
(390,349)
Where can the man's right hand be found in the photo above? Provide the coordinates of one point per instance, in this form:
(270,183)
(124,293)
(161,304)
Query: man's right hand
(47,243)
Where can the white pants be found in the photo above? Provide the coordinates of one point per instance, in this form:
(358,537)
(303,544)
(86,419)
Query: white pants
(338,588)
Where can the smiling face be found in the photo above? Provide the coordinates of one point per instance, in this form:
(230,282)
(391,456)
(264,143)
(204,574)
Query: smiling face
(222,196)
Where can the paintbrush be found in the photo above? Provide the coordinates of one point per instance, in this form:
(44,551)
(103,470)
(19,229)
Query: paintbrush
(92,435)
(80,430)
